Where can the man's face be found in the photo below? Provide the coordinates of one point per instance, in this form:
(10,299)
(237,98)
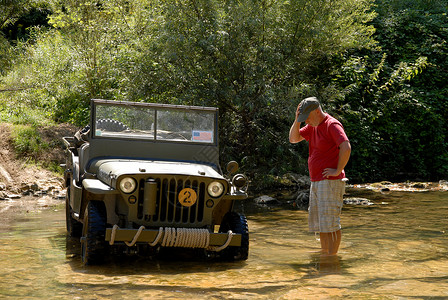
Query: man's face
(313,119)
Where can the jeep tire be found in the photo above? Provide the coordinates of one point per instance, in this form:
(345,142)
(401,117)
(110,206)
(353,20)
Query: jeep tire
(93,245)
(111,125)
(237,223)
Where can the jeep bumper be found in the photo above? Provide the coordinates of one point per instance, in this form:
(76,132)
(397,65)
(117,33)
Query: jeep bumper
(170,237)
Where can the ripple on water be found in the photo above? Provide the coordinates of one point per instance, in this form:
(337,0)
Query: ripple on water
(387,252)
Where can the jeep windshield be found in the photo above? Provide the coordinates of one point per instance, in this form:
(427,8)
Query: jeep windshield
(158,122)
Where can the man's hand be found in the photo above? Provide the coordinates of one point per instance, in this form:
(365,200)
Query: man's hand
(330,172)
(294,133)
(297,112)
(344,155)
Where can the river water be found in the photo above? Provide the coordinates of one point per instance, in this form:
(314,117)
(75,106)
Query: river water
(394,249)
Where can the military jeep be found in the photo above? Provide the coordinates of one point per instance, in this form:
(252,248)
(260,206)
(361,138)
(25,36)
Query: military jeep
(143,177)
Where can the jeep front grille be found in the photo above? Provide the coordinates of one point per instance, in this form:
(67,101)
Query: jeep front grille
(168,209)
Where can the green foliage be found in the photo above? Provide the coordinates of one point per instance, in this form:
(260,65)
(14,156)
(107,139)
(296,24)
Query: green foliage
(27,140)
(380,69)
(5,55)
(16,17)
(45,75)
(28,144)
(251,59)
(93,29)
(395,100)
(18,113)
(54,167)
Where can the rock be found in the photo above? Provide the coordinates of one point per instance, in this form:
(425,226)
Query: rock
(266,200)
(302,199)
(27,193)
(300,180)
(380,184)
(25,187)
(5,174)
(358,201)
(443,185)
(419,185)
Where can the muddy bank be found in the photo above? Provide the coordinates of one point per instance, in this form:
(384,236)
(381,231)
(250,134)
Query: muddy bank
(21,179)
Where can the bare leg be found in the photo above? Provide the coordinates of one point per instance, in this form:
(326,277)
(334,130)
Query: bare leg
(324,242)
(330,242)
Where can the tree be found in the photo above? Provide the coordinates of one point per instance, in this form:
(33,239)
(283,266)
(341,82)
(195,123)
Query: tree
(255,60)
(395,97)
(16,16)
(252,59)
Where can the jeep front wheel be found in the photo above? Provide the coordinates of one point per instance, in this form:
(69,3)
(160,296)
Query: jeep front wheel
(237,224)
(93,245)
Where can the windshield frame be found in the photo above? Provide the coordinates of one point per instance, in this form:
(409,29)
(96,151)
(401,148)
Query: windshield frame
(198,136)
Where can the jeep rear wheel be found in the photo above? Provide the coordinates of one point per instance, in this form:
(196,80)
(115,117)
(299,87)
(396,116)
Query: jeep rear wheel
(93,245)
(238,224)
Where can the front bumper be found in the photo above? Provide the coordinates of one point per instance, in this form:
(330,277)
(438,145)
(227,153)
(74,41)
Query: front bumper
(159,237)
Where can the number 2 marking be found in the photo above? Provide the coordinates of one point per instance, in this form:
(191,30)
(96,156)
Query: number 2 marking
(187,197)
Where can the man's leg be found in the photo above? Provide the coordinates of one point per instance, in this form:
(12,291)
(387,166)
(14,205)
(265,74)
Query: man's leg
(330,201)
(330,242)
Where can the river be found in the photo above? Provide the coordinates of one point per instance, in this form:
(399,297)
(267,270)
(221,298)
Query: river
(394,249)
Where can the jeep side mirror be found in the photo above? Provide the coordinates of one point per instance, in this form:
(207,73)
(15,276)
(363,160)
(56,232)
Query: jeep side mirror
(232,167)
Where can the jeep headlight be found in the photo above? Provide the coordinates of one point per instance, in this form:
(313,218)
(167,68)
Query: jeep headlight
(215,189)
(239,181)
(128,185)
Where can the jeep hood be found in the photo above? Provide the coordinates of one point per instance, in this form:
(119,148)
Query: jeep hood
(109,170)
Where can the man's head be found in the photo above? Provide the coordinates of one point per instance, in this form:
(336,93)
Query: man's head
(306,107)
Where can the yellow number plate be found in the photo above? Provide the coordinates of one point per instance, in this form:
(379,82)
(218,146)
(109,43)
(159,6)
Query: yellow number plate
(187,197)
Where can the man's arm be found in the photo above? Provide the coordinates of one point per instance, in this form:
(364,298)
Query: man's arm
(294,132)
(344,154)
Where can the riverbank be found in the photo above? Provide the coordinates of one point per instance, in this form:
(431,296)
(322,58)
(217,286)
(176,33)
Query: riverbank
(19,178)
(387,186)
(25,176)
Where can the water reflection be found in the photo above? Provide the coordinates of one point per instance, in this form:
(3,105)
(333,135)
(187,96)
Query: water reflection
(388,251)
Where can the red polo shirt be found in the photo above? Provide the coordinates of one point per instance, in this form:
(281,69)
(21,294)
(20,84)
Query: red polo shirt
(324,141)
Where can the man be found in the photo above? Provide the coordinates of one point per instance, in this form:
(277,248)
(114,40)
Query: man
(329,152)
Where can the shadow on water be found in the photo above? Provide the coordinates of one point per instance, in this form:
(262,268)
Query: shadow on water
(394,249)
(319,265)
(161,268)
(164,261)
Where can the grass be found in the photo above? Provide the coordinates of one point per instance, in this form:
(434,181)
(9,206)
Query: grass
(27,141)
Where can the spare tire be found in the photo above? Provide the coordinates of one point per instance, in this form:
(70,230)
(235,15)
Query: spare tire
(111,125)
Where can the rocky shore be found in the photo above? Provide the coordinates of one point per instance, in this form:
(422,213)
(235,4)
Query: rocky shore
(51,187)
(21,177)
(296,193)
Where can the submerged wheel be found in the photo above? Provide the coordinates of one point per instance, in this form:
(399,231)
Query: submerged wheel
(74,228)
(238,224)
(93,245)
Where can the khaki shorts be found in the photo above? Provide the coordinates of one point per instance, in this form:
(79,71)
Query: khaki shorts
(325,205)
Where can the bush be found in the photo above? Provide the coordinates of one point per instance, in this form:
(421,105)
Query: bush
(27,141)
